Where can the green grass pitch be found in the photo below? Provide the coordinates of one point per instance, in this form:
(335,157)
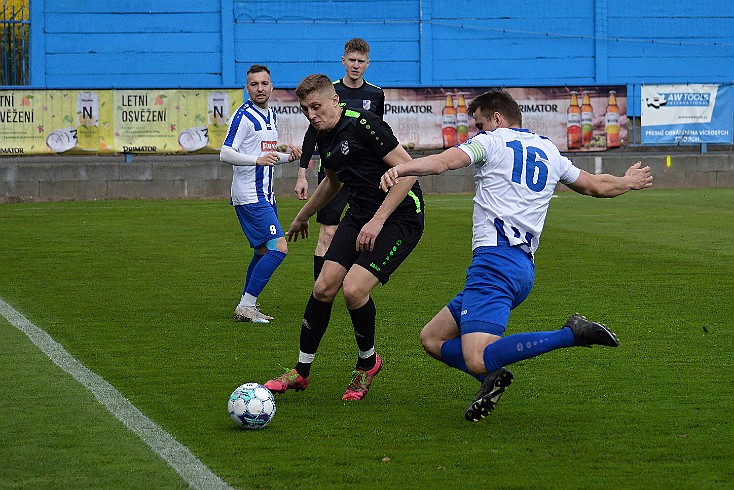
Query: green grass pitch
(142,293)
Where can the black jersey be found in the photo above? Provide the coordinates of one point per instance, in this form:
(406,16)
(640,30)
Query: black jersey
(353,150)
(367,97)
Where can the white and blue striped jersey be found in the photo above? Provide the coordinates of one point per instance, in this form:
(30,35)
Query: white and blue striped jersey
(252,131)
(516,174)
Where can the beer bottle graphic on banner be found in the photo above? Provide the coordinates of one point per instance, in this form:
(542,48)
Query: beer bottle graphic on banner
(612,121)
(587,120)
(462,120)
(448,122)
(573,127)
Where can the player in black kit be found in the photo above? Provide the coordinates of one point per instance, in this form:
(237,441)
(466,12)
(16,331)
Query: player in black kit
(376,235)
(353,91)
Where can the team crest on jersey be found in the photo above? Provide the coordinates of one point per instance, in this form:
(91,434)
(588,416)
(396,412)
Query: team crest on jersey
(268,146)
(345,147)
(366,104)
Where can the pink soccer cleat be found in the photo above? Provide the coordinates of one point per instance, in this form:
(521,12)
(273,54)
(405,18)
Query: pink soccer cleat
(290,380)
(361,381)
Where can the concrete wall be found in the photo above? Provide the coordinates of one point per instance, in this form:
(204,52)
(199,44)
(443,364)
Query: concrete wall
(30,179)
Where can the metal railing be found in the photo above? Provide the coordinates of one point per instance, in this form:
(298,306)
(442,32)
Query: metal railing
(14,33)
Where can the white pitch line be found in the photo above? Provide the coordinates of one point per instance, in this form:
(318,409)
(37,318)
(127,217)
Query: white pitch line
(178,456)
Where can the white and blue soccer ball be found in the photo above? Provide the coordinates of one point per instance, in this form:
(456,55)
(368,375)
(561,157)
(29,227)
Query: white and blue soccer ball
(251,406)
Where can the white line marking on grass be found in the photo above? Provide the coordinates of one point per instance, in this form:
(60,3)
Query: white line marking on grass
(191,469)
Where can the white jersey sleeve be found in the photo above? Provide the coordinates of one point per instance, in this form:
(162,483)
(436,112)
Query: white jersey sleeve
(516,174)
(252,131)
(569,172)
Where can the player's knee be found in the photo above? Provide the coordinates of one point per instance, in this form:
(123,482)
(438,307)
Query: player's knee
(324,291)
(355,294)
(278,244)
(430,343)
(475,364)
(326,234)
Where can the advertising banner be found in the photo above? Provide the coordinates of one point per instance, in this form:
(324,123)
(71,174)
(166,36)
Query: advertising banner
(184,121)
(115,121)
(172,121)
(687,114)
(588,119)
(56,121)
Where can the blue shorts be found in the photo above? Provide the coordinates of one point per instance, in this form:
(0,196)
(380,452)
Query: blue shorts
(498,279)
(259,221)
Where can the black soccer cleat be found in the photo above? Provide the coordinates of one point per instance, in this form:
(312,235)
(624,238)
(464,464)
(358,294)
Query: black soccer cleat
(586,333)
(488,395)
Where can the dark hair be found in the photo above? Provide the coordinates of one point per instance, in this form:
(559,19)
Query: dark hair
(258,69)
(497,100)
(357,44)
(314,83)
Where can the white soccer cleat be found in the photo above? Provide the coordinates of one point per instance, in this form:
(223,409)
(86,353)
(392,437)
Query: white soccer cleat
(250,314)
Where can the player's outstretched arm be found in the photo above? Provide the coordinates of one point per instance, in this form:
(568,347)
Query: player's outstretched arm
(450,159)
(636,177)
(233,157)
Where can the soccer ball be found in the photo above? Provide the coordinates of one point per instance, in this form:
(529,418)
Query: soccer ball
(251,406)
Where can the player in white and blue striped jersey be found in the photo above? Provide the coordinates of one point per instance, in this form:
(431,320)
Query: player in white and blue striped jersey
(251,147)
(516,175)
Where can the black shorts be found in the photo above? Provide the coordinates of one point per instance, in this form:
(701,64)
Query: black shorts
(393,245)
(331,214)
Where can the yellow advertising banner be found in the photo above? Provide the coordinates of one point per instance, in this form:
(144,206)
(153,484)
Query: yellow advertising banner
(172,121)
(186,121)
(115,121)
(55,121)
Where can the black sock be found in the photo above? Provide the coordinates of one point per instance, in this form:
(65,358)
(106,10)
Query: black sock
(304,369)
(318,264)
(315,320)
(363,321)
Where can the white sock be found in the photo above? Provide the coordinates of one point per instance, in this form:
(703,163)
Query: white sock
(306,358)
(248,300)
(365,354)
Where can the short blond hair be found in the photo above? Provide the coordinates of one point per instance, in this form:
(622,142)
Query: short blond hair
(318,82)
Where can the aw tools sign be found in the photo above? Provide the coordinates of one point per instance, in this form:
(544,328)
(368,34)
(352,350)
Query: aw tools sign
(687,114)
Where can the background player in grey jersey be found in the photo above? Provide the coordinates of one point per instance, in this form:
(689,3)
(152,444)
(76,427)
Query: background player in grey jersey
(353,91)
(517,173)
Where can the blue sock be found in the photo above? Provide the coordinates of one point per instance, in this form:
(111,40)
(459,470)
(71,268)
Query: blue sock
(255,259)
(521,346)
(451,354)
(263,270)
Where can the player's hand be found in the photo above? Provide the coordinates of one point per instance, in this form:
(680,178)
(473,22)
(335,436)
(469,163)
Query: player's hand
(368,235)
(297,227)
(301,185)
(268,160)
(389,179)
(639,177)
(295,153)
